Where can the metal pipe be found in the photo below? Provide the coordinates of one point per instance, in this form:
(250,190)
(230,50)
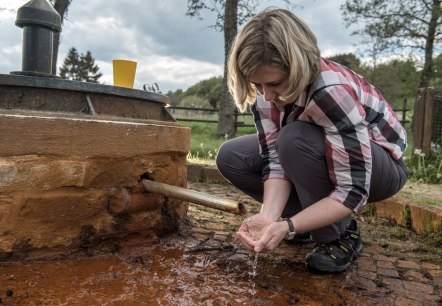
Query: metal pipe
(195,197)
(39,21)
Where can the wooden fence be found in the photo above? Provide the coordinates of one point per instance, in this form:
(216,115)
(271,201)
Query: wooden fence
(209,111)
(427,120)
(238,116)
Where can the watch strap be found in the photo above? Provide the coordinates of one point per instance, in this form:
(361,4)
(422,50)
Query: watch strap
(291,233)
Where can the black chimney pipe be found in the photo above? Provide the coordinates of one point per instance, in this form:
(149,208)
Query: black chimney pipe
(39,21)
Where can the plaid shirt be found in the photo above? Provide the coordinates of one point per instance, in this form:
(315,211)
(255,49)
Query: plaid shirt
(352,113)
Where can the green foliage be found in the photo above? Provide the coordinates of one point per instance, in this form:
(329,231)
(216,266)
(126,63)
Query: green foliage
(435,239)
(176,96)
(396,79)
(427,169)
(389,26)
(348,60)
(80,67)
(209,90)
(205,141)
(437,81)
(194,101)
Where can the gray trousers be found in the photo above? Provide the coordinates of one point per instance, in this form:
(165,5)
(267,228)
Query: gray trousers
(300,147)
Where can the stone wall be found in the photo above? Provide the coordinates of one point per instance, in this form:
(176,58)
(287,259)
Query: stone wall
(66,181)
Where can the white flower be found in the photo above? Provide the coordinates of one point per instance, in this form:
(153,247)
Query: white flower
(417,152)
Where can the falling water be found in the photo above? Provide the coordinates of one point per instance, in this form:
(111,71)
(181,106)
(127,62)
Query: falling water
(254,272)
(255,265)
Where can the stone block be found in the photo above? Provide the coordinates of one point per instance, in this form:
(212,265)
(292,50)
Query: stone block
(145,220)
(53,218)
(406,264)
(385,264)
(403,211)
(40,173)
(425,219)
(388,272)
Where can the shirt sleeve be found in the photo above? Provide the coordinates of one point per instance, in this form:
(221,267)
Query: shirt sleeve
(267,121)
(338,110)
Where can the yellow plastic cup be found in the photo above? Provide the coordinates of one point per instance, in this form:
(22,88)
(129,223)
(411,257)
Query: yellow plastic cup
(124,72)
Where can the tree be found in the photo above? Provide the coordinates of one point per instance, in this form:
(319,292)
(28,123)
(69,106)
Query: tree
(210,90)
(227,20)
(79,67)
(230,14)
(347,59)
(194,101)
(71,66)
(88,68)
(405,24)
(61,6)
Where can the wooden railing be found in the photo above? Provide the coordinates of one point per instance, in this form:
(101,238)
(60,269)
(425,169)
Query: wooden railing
(209,111)
(401,113)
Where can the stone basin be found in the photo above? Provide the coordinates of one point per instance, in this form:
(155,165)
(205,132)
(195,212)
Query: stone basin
(71,158)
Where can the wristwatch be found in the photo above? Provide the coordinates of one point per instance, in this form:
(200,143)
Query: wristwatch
(291,233)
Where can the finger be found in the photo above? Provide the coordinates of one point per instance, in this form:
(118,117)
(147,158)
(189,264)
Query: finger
(267,243)
(245,240)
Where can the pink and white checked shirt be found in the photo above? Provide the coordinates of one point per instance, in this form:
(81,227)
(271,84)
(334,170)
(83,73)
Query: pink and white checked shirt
(352,113)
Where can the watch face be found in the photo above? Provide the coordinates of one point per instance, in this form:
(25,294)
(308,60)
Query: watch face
(290,235)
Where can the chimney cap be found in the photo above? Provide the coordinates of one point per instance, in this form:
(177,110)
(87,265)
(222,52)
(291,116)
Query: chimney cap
(38,12)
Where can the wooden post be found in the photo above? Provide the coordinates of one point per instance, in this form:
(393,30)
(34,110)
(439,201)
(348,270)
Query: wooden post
(427,134)
(418,118)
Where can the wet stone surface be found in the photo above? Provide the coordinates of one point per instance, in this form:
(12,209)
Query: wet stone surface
(203,265)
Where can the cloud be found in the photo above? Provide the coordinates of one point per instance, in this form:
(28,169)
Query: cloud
(172,49)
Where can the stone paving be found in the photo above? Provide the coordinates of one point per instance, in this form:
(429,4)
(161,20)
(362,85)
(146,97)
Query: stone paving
(395,267)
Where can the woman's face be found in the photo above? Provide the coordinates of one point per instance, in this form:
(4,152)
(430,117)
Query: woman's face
(270,82)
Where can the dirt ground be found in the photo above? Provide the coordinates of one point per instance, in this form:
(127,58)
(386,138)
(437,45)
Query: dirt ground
(202,264)
(423,193)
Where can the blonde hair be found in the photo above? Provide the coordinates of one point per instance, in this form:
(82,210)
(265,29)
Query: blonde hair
(273,37)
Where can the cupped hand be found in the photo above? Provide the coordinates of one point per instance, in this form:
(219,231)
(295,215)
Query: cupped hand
(252,229)
(260,234)
(274,233)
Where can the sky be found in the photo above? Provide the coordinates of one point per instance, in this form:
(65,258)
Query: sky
(171,49)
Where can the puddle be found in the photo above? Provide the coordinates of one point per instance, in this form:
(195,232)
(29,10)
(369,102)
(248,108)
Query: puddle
(169,273)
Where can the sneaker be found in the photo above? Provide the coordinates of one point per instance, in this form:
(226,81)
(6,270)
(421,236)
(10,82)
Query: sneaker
(353,235)
(337,255)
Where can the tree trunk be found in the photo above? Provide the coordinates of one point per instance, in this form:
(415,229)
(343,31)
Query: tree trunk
(61,6)
(226,115)
(427,72)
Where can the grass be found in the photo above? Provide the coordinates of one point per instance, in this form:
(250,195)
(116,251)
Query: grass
(205,141)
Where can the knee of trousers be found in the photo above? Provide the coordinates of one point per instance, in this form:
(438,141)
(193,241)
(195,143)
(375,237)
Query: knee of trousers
(298,141)
(223,155)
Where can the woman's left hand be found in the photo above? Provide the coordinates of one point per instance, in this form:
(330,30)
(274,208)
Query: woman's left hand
(274,233)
